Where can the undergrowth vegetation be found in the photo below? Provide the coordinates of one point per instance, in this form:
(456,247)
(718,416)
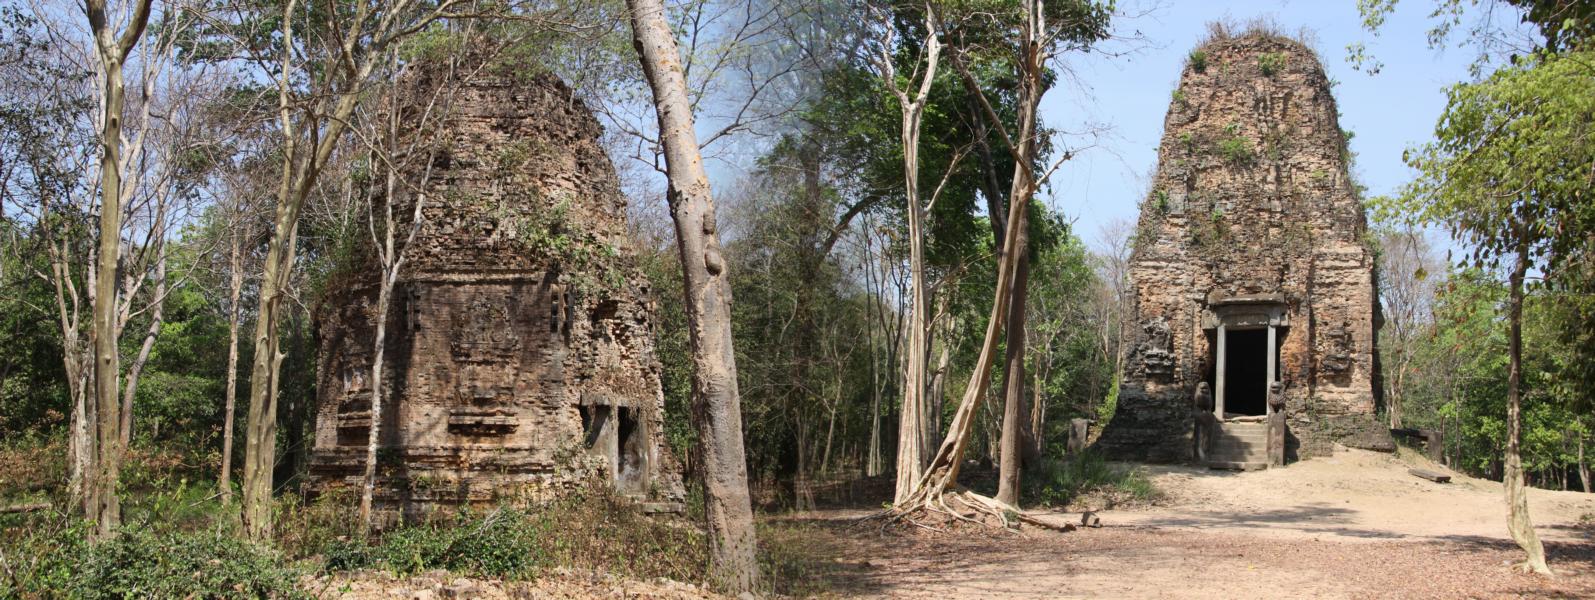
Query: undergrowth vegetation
(182,542)
(1089,480)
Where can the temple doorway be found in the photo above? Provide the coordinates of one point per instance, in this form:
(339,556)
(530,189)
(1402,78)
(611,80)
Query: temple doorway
(1246,373)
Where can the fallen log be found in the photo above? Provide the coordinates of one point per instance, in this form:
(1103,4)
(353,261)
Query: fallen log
(1430,475)
(23,508)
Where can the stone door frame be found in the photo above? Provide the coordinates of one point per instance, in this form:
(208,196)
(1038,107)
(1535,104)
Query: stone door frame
(1243,313)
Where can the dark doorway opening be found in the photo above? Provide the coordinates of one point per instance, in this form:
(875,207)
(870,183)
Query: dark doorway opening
(631,465)
(1246,372)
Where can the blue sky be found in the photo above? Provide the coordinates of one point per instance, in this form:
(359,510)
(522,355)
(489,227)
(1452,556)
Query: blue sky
(1129,95)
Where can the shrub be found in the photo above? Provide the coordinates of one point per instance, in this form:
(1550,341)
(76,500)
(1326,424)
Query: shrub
(592,528)
(139,564)
(41,553)
(1271,63)
(1061,482)
(1178,96)
(1237,150)
(1199,61)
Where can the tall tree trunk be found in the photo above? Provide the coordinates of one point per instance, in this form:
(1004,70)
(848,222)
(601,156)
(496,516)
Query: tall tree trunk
(105,472)
(936,397)
(235,287)
(1038,419)
(913,435)
(1014,372)
(260,437)
(716,401)
(1517,501)
(872,461)
(301,168)
(943,470)
(76,363)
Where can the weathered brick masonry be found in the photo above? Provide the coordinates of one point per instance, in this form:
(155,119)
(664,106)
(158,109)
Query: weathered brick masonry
(520,359)
(1252,224)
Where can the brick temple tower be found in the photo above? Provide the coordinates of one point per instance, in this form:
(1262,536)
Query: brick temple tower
(1250,266)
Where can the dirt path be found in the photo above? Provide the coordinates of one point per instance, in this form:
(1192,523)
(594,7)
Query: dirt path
(1352,526)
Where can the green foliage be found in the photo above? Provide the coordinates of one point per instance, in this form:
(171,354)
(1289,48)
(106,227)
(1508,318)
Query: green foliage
(1178,96)
(1064,357)
(177,565)
(54,560)
(1160,201)
(593,528)
(1236,150)
(1110,405)
(1510,161)
(1271,63)
(1070,480)
(1198,59)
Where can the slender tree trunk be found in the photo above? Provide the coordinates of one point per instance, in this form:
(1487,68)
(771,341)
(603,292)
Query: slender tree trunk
(373,436)
(1038,418)
(235,287)
(1518,521)
(136,369)
(80,443)
(1583,465)
(75,362)
(301,168)
(872,461)
(716,401)
(936,397)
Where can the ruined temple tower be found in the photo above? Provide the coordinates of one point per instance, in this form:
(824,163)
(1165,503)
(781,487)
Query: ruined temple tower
(1250,265)
(519,360)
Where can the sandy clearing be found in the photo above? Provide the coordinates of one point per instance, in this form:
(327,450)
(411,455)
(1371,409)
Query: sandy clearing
(1354,525)
(1355,495)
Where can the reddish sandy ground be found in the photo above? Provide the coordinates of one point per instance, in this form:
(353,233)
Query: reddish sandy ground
(1355,525)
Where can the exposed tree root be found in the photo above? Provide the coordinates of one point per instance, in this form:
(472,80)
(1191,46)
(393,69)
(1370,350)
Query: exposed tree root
(943,512)
(1527,567)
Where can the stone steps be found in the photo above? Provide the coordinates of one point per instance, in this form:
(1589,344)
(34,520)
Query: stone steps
(1240,446)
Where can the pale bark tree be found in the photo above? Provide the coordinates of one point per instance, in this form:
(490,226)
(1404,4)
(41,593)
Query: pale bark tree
(913,431)
(1035,46)
(111,48)
(716,402)
(235,289)
(405,147)
(1405,295)
(312,122)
